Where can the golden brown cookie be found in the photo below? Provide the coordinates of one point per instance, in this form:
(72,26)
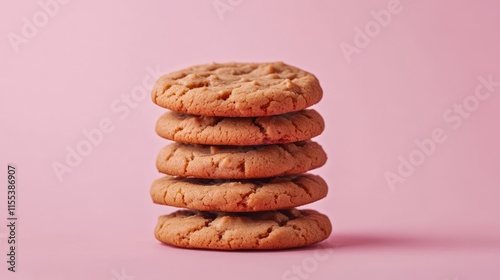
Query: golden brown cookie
(240,162)
(242,231)
(278,129)
(238,195)
(237,89)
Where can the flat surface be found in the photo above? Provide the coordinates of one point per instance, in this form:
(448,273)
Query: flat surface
(381,255)
(437,221)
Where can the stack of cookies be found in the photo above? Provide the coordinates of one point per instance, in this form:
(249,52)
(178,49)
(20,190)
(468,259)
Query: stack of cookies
(238,165)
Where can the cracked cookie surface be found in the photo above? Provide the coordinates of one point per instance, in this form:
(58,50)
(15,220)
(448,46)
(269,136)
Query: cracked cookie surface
(237,89)
(240,162)
(279,129)
(238,195)
(242,231)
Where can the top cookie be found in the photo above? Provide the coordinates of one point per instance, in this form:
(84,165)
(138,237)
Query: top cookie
(237,90)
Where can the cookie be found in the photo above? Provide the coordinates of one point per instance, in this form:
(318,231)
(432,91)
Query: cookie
(240,162)
(241,231)
(279,129)
(237,89)
(238,195)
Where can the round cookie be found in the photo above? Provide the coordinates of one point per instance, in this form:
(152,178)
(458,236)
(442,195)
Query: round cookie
(237,89)
(238,195)
(240,162)
(279,129)
(243,231)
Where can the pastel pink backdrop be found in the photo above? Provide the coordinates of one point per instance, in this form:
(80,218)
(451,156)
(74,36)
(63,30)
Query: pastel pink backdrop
(440,223)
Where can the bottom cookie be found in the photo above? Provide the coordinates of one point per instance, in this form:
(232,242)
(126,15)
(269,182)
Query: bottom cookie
(278,229)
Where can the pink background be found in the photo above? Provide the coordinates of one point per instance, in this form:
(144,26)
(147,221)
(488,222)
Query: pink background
(441,223)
